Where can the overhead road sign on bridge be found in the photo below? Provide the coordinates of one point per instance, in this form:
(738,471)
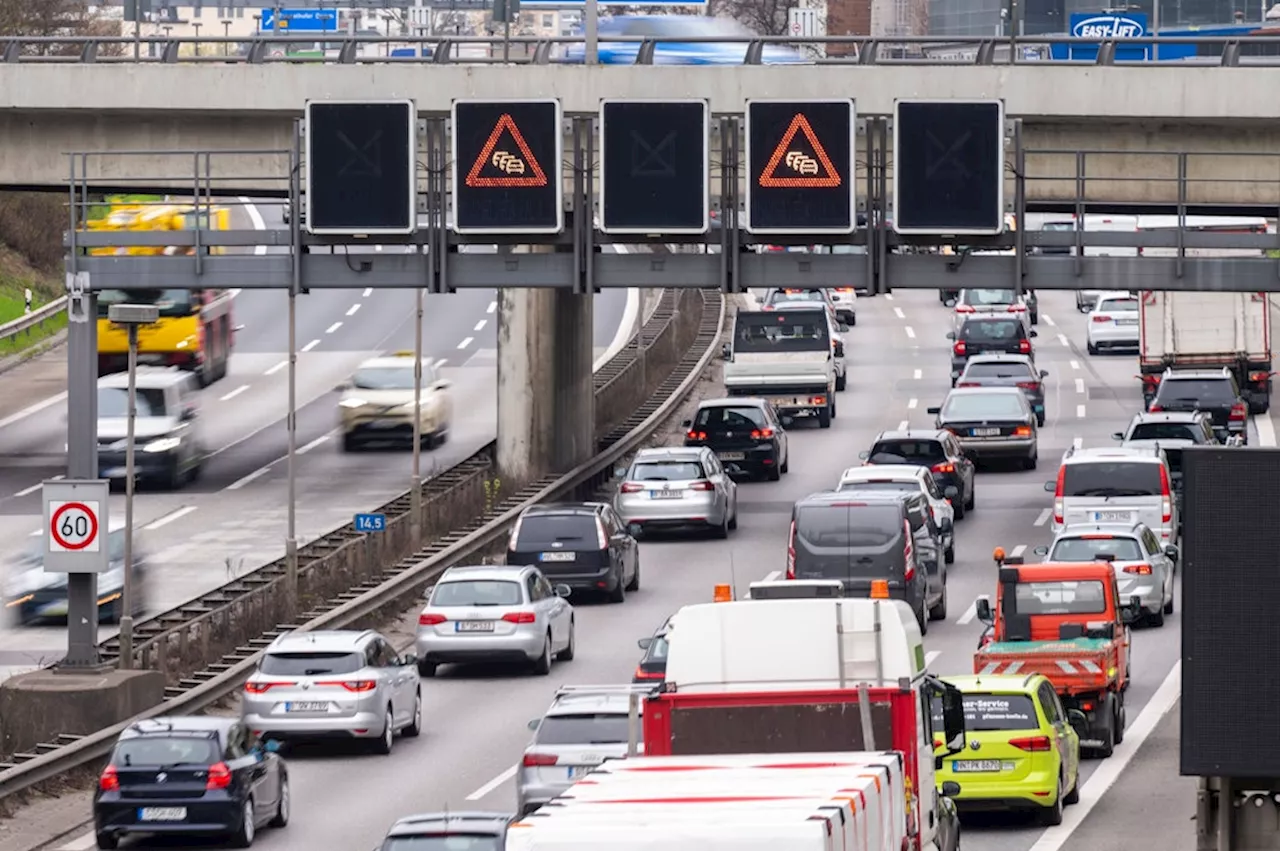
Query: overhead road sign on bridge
(655,166)
(361,167)
(800,166)
(948,167)
(299,20)
(507,167)
(75,522)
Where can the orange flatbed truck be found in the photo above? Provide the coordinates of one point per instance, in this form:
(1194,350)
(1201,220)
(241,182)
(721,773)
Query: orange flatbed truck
(1065,621)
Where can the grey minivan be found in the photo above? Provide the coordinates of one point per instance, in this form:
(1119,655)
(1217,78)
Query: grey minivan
(860,537)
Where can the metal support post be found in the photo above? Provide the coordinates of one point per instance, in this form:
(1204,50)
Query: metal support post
(1019,208)
(581,214)
(591,31)
(873,203)
(733,166)
(296,249)
(438,204)
(882,231)
(1179,264)
(126,598)
(727,219)
(415,478)
(588,199)
(1081,164)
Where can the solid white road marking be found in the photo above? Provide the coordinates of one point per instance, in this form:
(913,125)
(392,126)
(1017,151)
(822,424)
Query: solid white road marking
(968,615)
(170,517)
(81,843)
(897,311)
(493,307)
(630,313)
(1079,385)
(368,291)
(902,426)
(1080,411)
(492,784)
(309,346)
(351,311)
(466,342)
(918,374)
(234,393)
(334,327)
(1062,338)
(252,477)
(303,450)
(1044,517)
(911,404)
(32,409)
(931,657)
(1077,442)
(480,325)
(276,368)
(255,218)
(1106,774)
(1075,364)
(911,332)
(37,486)
(1266,430)
(772,576)
(1017,551)
(1048,320)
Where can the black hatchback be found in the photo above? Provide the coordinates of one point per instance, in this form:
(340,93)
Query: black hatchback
(653,665)
(745,433)
(197,776)
(579,544)
(986,335)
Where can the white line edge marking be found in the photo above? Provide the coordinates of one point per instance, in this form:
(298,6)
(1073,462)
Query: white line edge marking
(309,346)
(911,404)
(303,450)
(626,328)
(1106,774)
(351,311)
(897,311)
(1048,320)
(1062,338)
(1266,430)
(177,514)
(480,325)
(32,409)
(368,291)
(276,368)
(1043,518)
(931,657)
(81,843)
(968,615)
(911,332)
(37,486)
(1079,385)
(492,784)
(234,393)
(1077,442)
(465,342)
(918,374)
(902,426)
(1018,550)
(772,576)
(492,308)
(1080,411)
(252,477)
(255,218)
(334,327)
(1075,364)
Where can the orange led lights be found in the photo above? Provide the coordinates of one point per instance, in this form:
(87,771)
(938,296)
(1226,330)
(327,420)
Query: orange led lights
(812,172)
(519,170)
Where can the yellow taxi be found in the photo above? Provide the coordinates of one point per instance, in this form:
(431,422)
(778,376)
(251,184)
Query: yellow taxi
(377,403)
(1021,752)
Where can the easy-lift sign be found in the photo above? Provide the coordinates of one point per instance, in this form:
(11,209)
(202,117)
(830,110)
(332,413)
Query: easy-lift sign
(1105,26)
(75,519)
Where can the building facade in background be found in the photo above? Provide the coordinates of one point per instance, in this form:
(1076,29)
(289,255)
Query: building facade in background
(1046,17)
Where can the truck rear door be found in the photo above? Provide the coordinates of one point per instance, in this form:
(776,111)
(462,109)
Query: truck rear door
(852,541)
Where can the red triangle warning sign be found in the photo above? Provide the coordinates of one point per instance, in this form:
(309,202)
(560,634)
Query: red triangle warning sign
(506,165)
(803,163)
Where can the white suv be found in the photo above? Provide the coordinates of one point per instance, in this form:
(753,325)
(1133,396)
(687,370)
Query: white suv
(1115,485)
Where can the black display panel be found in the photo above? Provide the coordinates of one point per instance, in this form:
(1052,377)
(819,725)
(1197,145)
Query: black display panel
(361,167)
(506,169)
(948,167)
(800,166)
(1230,612)
(654,166)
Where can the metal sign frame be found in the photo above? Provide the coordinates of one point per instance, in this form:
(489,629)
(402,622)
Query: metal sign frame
(309,141)
(554,170)
(849,178)
(93,492)
(1000,155)
(706,165)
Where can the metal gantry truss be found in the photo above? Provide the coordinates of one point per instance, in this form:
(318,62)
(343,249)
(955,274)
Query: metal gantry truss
(440,261)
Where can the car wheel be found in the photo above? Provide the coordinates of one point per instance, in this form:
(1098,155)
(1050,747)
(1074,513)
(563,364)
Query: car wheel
(566,655)
(247,831)
(733,521)
(773,473)
(853,319)
(427,669)
(786,465)
(1156,618)
(722,531)
(542,665)
(1091,348)
(1073,797)
(841,382)
(634,584)
(938,612)
(349,443)
(1040,420)
(281,818)
(415,726)
(824,417)
(949,554)
(619,592)
(108,841)
(972,502)
(1120,720)
(1052,815)
(1168,607)
(388,738)
(1030,463)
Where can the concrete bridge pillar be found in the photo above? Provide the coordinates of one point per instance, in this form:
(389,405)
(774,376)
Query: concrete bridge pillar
(546,397)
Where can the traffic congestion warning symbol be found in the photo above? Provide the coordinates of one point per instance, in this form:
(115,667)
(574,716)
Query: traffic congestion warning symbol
(73,527)
(505,160)
(799,162)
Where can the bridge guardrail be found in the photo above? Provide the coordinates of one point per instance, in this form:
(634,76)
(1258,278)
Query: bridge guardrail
(25,324)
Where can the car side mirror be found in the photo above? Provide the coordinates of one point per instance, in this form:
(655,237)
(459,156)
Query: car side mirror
(842,327)
(951,335)
(634,529)
(1044,373)
(619,472)
(839,349)
(686,423)
(533,725)
(726,351)
(1117,435)
(982,608)
(442,384)
(934,411)
(271,746)
(1051,487)
(563,590)
(408,660)
(1077,719)
(951,788)
(644,643)
(1172,552)
(1033,333)
(1041,551)
(951,302)
(864,455)
(951,492)
(189,413)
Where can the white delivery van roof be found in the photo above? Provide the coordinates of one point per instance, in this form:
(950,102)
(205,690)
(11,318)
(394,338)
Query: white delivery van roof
(788,645)
(801,835)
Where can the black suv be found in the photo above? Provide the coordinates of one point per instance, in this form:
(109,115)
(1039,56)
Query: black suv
(745,433)
(1213,391)
(580,544)
(984,335)
(933,448)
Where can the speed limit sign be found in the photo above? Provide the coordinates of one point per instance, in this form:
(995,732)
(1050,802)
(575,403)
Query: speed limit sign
(75,515)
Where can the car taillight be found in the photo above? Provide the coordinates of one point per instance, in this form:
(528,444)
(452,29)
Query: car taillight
(1028,385)
(533,760)
(631,487)
(817,400)
(1155,409)
(1239,412)
(520,617)
(1139,569)
(109,781)
(642,674)
(356,686)
(1034,744)
(1166,496)
(1057,494)
(1024,347)
(844,289)
(219,776)
(946,467)
(1101,317)
(261,688)
(431,620)
(908,553)
(964,308)
(937,743)
(959,348)
(696,435)
(1022,431)
(602,537)
(791,551)
(1259,376)
(1016,308)
(968,384)
(701,486)
(761,433)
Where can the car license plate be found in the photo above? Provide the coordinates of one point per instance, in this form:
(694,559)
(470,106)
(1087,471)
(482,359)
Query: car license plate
(560,556)
(1126,322)
(664,494)
(1111,517)
(307,706)
(473,626)
(162,814)
(731,456)
(975,765)
(576,771)
(986,432)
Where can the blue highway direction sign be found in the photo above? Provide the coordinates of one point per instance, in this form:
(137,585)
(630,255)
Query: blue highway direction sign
(300,20)
(371,523)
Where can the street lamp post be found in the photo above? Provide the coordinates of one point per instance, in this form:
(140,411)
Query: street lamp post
(132,316)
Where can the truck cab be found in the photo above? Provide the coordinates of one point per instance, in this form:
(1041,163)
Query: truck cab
(1068,622)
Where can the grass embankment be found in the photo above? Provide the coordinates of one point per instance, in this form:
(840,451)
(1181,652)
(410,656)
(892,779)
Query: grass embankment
(15,278)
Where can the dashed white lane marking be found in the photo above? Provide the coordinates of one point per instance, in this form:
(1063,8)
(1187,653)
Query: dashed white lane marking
(466,342)
(276,368)
(889,296)
(1105,776)
(1044,517)
(1062,338)
(1080,411)
(234,393)
(918,374)
(32,409)
(897,311)
(480,325)
(968,614)
(309,346)
(351,311)
(1017,551)
(492,784)
(492,308)
(1266,430)
(252,477)
(303,450)
(441,362)
(1079,385)
(1075,364)
(334,327)
(36,487)
(170,517)
(911,332)
(931,657)
(911,404)
(773,576)
(368,291)
(1048,320)
(902,426)
(1077,442)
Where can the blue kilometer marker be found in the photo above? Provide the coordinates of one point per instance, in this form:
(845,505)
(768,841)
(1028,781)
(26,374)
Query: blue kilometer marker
(371,523)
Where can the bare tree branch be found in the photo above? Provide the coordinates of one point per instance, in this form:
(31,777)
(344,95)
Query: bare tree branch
(53,19)
(766,17)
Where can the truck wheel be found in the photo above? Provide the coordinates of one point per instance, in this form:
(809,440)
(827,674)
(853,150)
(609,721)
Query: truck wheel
(1121,718)
(824,418)
(840,382)
(1107,730)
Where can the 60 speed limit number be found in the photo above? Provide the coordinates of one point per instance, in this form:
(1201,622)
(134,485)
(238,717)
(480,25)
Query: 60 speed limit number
(74,527)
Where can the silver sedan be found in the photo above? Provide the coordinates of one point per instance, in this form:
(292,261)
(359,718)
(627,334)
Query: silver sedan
(679,487)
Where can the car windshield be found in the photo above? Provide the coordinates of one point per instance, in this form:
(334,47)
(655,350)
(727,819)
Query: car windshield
(477,592)
(595,728)
(539,531)
(977,406)
(796,297)
(988,712)
(846,525)
(165,750)
(1060,598)
(991,330)
(881,485)
(1166,431)
(998,298)
(721,419)
(114,402)
(657,651)
(907,451)
(1015,369)
(383,378)
(781,331)
(441,842)
(1111,478)
(1089,547)
(311,663)
(1216,391)
(666,471)
(1129,304)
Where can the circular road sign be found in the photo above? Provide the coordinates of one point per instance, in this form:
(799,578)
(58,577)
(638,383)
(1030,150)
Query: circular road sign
(73,526)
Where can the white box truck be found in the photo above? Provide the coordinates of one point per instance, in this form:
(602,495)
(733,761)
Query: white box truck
(798,833)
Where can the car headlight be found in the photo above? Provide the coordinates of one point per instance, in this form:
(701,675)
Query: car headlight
(408,406)
(353,403)
(164,444)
